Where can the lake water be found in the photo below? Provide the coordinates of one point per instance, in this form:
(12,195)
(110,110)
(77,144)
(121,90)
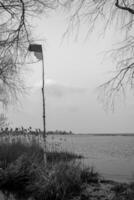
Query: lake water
(112,156)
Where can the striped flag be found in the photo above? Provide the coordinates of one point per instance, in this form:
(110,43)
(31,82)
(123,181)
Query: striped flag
(37,49)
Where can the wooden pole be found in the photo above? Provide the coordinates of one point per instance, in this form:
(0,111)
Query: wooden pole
(37,49)
(43,101)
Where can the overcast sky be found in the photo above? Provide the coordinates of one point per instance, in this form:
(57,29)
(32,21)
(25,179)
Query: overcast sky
(73,70)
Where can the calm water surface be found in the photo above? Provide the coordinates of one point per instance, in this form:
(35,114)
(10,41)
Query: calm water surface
(112,156)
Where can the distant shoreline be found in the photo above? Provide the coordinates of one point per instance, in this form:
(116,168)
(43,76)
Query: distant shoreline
(95,134)
(106,134)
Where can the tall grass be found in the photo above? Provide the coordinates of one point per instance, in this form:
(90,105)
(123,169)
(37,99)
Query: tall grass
(57,156)
(9,152)
(23,174)
(26,178)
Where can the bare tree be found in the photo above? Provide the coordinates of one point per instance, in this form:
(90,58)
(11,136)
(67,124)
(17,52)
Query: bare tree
(15,35)
(118,13)
(3,121)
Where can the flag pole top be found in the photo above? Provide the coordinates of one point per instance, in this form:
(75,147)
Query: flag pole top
(37,50)
(35,47)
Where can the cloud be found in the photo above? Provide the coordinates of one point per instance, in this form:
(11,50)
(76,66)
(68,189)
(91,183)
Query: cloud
(56,89)
(73,108)
(59,90)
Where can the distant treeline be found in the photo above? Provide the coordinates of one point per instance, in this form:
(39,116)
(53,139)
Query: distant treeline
(36,132)
(57,132)
(30,131)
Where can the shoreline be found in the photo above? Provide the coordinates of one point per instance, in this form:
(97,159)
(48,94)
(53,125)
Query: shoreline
(103,190)
(65,180)
(107,190)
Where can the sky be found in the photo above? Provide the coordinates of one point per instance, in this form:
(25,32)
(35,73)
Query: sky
(74,68)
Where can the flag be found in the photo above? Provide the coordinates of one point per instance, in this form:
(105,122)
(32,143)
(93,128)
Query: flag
(37,49)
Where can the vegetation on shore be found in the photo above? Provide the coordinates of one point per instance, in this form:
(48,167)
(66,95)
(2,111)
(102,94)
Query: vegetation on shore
(27,178)
(5,131)
(10,151)
(123,191)
(23,175)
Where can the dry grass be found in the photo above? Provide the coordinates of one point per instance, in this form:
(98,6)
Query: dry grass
(24,175)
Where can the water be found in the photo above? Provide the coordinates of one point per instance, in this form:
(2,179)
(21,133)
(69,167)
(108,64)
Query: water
(112,156)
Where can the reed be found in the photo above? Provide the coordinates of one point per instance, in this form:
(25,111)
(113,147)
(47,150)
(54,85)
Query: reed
(26,178)
(23,174)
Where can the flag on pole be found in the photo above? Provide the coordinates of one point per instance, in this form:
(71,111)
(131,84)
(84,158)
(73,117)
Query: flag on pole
(37,49)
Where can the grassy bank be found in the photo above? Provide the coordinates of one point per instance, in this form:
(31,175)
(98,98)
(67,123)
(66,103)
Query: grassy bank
(23,176)
(26,178)
(9,152)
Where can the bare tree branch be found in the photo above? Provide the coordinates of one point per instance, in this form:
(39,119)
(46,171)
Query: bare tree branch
(125,7)
(119,13)
(3,121)
(15,36)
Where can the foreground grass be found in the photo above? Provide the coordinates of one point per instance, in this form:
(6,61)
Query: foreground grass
(56,156)
(26,178)
(123,191)
(9,152)
(23,176)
